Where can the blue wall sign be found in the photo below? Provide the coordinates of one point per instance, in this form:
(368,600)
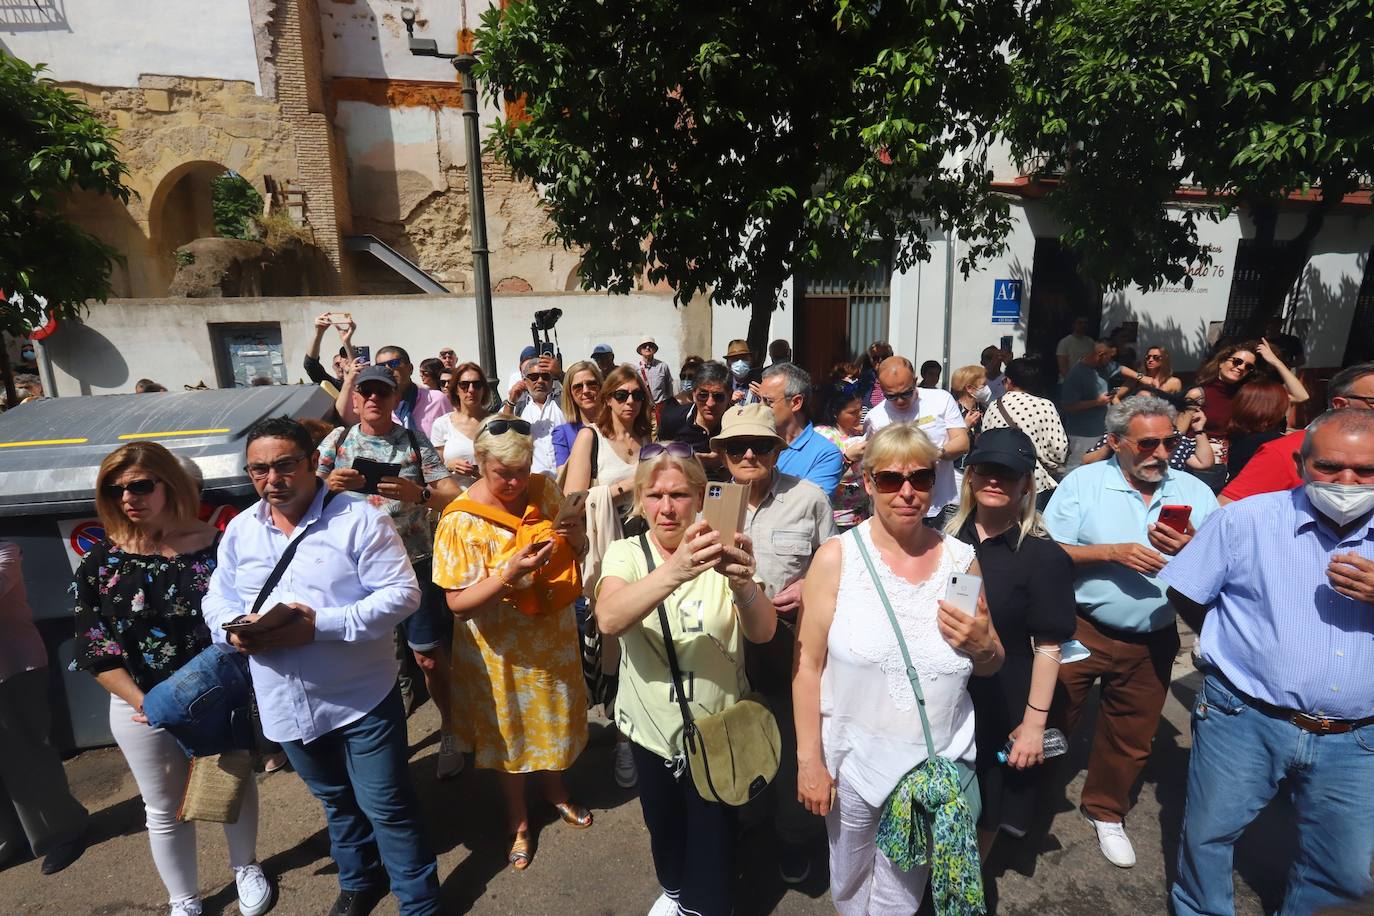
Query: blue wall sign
(1006,301)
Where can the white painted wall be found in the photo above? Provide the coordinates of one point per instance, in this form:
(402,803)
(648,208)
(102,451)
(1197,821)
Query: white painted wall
(112,42)
(169,339)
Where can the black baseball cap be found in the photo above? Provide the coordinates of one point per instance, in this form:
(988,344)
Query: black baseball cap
(375,374)
(1010,448)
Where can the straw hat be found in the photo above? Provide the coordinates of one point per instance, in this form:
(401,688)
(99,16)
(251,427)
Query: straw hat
(747,421)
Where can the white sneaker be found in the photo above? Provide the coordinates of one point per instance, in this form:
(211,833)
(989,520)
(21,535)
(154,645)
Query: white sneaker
(256,893)
(451,758)
(189,907)
(1115,845)
(625,773)
(664,905)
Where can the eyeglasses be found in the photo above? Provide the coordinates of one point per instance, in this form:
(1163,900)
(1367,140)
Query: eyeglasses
(282,466)
(676,449)
(701,396)
(587,386)
(392,363)
(991,471)
(900,395)
(1362,398)
(1238,363)
(1146,446)
(921,480)
(624,395)
(538,377)
(469,384)
(141,487)
(736,448)
(501,427)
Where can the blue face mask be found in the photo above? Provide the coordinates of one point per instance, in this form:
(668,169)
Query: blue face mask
(687,383)
(740,368)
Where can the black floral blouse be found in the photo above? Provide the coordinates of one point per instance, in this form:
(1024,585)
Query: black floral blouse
(140,611)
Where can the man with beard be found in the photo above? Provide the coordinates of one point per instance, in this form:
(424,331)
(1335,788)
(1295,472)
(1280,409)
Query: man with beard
(1108,517)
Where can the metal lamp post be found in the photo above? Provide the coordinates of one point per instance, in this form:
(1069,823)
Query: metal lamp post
(477,208)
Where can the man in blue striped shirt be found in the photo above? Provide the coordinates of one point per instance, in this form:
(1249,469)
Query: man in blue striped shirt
(1286,581)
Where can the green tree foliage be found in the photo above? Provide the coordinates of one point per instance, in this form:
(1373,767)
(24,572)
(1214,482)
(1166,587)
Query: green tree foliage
(50,144)
(236,206)
(723,146)
(1250,100)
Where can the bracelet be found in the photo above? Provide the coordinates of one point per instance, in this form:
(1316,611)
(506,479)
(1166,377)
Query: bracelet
(753,596)
(1036,708)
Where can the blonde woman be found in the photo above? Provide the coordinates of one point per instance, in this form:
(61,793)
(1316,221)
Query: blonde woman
(581,405)
(859,737)
(969,386)
(517,676)
(138,619)
(713,605)
(1028,580)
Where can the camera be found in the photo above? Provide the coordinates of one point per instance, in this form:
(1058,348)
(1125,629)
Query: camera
(546,319)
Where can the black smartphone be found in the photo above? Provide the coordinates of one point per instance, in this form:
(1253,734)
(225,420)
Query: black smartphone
(373,472)
(363,352)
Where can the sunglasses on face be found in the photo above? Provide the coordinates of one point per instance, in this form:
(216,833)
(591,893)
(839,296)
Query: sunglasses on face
(367,394)
(921,480)
(900,395)
(676,449)
(470,384)
(1153,357)
(714,397)
(392,363)
(1147,446)
(443,353)
(994,472)
(1238,363)
(625,394)
(501,427)
(587,386)
(736,448)
(282,466)
(141,487)
(538,377)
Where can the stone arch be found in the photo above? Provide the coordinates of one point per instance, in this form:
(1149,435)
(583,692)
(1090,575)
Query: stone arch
(514,285)
(574,281)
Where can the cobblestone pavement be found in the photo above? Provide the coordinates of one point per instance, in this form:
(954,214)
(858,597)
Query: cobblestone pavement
(607,869)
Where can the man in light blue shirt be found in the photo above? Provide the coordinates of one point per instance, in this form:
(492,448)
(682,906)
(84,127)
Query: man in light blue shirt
(805,453)
(1286,581)
(326,680)
(1110,517)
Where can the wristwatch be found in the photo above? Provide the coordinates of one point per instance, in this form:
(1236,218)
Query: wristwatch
(425,494)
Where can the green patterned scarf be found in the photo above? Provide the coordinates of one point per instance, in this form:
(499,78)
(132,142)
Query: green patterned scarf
(930,802)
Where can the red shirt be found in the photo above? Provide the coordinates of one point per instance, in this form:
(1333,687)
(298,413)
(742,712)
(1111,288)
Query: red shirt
(1272,469)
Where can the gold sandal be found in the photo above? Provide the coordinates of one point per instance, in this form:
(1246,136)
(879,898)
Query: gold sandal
(574,815)
(520,855)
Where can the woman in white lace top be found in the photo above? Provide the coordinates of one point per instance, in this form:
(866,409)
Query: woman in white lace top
(858,731)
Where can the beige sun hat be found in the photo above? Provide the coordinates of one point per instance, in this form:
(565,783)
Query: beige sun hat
(747,421)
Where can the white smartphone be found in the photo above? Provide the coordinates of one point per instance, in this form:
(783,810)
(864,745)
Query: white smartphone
(963,591)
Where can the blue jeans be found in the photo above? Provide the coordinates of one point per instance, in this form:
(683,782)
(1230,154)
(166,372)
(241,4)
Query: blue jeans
(359,773)
(1239,756)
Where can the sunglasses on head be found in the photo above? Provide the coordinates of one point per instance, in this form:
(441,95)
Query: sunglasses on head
(501,427)
(624,394)
(141,487)
(1239,363)
(1146,446)
(900,395)
(715,397)
(394,363)
(676,449)
(538,377)
(921,480)
(736,448)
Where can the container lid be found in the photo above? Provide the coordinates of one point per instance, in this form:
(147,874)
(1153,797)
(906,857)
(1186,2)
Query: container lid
(50,449)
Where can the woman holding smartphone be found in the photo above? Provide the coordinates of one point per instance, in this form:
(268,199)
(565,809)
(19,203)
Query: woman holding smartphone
(1029,586)
(859,738)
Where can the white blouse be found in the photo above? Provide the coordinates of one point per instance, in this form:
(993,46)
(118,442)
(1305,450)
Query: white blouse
(870,727)
(453,445)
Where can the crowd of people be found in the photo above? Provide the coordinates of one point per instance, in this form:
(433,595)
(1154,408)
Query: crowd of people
(538,547)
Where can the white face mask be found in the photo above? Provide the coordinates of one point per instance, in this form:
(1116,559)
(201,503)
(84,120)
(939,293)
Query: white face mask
(1341,502)
(740,368)
(983,395)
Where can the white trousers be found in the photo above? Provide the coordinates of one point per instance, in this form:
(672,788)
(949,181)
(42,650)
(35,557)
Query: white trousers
(863,881)
(160,768)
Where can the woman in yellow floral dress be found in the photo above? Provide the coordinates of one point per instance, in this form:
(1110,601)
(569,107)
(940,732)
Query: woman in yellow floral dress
(511,577)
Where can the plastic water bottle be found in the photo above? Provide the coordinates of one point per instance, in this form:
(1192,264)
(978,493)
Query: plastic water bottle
(1055,744)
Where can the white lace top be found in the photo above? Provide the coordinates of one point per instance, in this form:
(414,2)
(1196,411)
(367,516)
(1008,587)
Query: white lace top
(870,727)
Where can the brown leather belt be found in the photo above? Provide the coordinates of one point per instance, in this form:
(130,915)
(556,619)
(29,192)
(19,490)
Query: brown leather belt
(1320,726)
